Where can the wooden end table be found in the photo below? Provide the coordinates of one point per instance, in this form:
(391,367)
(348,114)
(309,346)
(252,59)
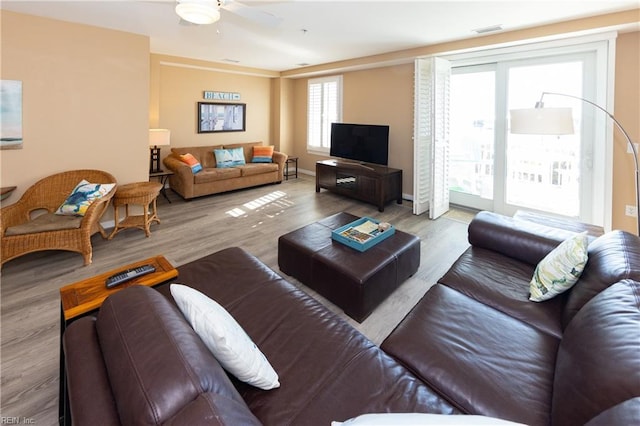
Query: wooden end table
(86,296)
(294,162)
(141,193)
(162,176)
(5,191)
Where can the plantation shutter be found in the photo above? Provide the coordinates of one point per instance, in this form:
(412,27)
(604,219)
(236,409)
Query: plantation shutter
(314,115)
(431,137)
(324,107)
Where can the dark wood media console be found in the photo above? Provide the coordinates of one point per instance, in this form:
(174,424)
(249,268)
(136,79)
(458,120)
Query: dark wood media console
(366,182)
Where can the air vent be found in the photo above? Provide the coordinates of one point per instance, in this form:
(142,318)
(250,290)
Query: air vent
(488,29)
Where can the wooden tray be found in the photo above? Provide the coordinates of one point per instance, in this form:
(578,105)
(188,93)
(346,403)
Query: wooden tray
(337,235)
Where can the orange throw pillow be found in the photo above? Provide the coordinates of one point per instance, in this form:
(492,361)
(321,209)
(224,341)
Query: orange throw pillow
(192,162)
(262,154)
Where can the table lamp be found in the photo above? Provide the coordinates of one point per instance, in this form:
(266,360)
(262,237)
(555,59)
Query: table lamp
(157,138)
(559,121)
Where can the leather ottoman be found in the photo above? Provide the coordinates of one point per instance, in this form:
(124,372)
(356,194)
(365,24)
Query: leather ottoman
(356,282)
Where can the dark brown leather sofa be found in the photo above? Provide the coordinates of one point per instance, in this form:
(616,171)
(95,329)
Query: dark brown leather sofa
(477,340)
(139,362)
(474,344)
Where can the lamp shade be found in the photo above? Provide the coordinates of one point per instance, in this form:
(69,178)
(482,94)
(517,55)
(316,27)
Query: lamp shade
(542,121)
(200,12)
(159,137)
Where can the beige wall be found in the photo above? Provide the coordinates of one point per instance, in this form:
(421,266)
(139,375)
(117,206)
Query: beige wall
(367,92)
(177,85)
(627,112)
(376,96)
(85,100)
(283,114)
(90,95)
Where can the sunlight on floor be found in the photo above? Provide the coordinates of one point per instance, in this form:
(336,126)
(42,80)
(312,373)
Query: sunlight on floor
(259,202)
(274,203)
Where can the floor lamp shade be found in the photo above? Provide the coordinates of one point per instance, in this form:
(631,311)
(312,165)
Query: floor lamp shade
(542,121)
(157,138)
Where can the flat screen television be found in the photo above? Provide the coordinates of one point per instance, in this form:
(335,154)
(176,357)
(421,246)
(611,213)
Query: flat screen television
(368,143)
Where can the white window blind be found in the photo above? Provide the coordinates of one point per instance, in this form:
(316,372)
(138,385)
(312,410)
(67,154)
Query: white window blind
(324,107)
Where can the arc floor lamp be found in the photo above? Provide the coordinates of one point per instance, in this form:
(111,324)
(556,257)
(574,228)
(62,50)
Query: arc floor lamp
(559,121)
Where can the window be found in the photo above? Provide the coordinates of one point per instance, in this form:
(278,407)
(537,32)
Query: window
(472,130)
(324,107)
(493,169)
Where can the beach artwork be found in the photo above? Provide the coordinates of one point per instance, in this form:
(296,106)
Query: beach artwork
(10,114)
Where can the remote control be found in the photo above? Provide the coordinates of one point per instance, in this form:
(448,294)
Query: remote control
(129,274)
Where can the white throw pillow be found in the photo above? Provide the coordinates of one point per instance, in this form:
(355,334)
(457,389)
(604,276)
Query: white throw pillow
(421,419)
(560,269)
(224,337)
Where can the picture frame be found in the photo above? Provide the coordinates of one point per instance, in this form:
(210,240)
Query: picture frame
(214,117)
(11,114)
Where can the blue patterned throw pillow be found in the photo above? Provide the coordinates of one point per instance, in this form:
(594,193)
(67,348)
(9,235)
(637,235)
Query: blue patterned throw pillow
(82,196)
(229,157)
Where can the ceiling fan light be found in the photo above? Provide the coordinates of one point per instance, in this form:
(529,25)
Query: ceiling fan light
(198,12)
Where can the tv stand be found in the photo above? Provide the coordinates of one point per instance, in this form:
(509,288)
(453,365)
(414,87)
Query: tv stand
(341,163)
(366,182)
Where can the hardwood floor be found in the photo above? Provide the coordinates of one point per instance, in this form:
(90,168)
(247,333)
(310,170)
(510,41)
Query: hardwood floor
(252,219)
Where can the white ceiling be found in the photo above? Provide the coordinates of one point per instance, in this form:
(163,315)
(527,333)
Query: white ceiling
(313,32)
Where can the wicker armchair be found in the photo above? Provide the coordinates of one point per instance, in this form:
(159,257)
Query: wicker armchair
(46,196)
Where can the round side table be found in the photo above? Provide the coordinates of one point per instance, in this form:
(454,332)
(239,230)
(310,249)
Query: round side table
(140,193)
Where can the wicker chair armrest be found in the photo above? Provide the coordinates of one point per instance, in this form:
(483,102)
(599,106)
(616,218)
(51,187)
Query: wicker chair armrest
(14,214)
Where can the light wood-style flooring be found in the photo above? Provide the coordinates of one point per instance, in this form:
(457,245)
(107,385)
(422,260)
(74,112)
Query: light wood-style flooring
(252,219)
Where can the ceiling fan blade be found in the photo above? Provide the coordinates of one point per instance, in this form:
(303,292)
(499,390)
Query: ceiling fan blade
(251,13)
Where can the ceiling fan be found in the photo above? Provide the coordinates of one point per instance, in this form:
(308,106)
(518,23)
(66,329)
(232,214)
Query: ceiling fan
(204,12)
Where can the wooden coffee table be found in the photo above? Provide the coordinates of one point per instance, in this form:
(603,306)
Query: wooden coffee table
(87,295)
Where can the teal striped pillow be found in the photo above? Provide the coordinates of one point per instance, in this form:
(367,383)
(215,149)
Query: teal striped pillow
(229,157)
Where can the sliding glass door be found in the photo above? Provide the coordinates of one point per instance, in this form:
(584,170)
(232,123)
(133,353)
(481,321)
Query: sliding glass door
(492,169)
(544,172)
(472,136)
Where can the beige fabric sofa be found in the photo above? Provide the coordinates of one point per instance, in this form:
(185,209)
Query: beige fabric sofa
(213,180)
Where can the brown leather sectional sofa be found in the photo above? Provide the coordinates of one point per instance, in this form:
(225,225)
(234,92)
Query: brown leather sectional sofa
(571,360)
(474,344)
(213,180)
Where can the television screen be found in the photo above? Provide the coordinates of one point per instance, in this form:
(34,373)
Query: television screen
(368,143)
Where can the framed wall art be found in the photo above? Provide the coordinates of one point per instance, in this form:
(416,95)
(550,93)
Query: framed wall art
(10,114)
(221,117)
